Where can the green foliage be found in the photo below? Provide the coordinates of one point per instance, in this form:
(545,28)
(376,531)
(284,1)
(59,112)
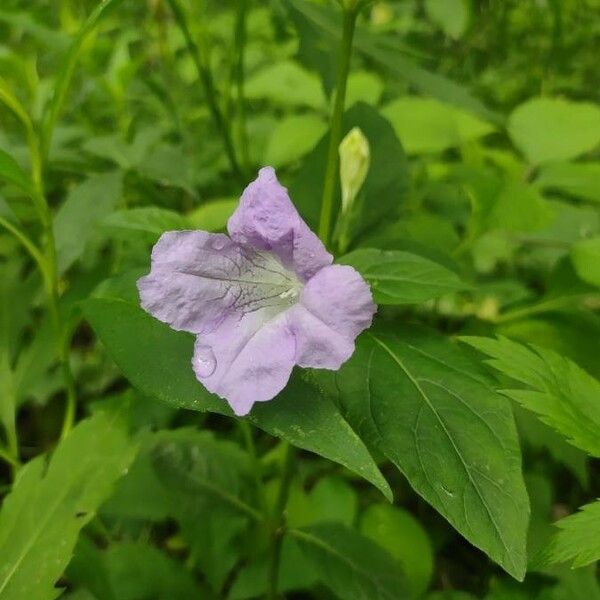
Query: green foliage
(398,277)
(586,260)
(397,531)
(351,564)
(167,376)
(578,540)
(547,130)
(479,219)
(561,393)
(447,413)
(50,504)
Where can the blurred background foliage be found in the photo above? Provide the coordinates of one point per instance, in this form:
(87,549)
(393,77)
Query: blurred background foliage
(483,118)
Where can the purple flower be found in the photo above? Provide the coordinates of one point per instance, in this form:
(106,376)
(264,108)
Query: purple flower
(260,301)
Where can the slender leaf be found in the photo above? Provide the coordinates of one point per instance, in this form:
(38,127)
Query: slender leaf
(47,508)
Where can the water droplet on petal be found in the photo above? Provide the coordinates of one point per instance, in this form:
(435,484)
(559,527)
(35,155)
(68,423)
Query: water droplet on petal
(205,362)
(218,243)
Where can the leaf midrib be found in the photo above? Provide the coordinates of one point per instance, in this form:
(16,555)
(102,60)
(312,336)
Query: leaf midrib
(416,384)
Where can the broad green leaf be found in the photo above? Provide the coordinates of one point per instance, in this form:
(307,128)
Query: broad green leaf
(387,179)
(148,220)
(276,81)
(398,277)
(77,219)
(11,172)
(333,499)
(160,367)
(451,15)
(364,86)
(519,207)
(585,256)
(575,179)
(578,540)
(350,564)
(206,469)
(425,125)
(208,527)
(49,505)
(292,138)
(416,398)
(396,530)
(562,394)
(213,215)
(131,570)
(169,165)
(553,129)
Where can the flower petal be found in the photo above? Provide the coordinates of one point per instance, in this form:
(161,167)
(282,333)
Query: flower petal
(267,219)
(246,360)
(199,279)
(335,306)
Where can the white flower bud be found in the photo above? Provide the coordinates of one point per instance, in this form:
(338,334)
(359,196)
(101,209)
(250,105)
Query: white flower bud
(355,157)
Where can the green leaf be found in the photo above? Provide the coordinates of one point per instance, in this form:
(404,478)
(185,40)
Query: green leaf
(562,394)
(578,540)
(213,215)
(48,506)
(585,256)
(552,129)
(131,570)
(149,220)
(425,125)
(519,207)
(396,530)
(364,86)
(575,179)
(11,172)
(275,81)
(417,399)
(350,564)
(398,277)
(160,367)
(292,138)
(451,15)
(206,468)
(77,219)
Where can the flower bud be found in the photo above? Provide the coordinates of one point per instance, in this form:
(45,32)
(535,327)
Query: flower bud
(355,157)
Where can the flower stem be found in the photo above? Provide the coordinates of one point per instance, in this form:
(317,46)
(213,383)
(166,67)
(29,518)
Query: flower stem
(240,48)
(331,174)
(278,523)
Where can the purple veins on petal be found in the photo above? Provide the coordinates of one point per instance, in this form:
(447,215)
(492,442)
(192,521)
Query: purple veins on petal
(260,302)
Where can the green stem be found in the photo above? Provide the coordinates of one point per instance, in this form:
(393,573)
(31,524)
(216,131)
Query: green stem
(541,307)
(278,522)
(246,431)
(240,48)
(331,172)
(202,66)
(10,459)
